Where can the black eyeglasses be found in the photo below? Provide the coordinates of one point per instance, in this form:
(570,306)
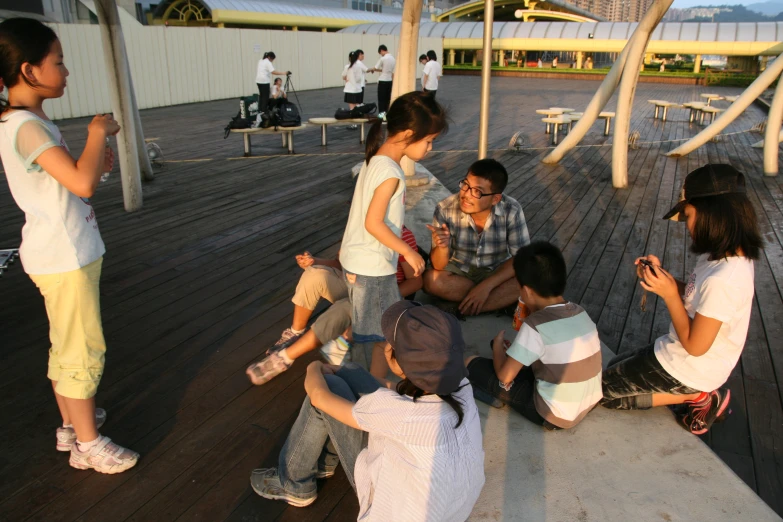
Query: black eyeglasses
(475,192)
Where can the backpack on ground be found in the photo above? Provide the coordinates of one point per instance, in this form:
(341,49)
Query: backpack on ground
(360,111)
(288,114)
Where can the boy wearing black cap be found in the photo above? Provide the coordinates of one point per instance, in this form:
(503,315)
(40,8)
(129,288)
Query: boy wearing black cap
(687,367)
(551,373)
(413,451)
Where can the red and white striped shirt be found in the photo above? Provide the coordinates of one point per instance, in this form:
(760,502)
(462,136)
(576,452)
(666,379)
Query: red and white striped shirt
(409,238)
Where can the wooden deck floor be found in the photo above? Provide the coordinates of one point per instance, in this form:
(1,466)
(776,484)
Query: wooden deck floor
(197,284)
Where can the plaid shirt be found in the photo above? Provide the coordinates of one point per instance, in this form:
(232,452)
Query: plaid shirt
(504,233)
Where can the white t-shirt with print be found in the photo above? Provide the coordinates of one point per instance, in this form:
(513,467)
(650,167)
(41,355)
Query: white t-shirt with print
(433,71)
(353,78)
(417,465)
(722,290)
(264,71)
(60,233)
(360,252)
(386,65)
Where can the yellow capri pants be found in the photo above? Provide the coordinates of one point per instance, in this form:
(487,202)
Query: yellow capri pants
(77,355)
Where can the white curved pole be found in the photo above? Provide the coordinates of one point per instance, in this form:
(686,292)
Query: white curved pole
(600,99)
(774,117)
(405,69)
(628,89)
(753,91)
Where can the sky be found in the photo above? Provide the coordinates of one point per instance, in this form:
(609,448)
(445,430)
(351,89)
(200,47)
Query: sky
(693,3)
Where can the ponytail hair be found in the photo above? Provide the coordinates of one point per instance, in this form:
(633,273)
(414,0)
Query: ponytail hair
(415,111)
(406,387)
(352,57)
(22,40)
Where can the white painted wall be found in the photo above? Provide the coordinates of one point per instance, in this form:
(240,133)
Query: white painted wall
(175,65)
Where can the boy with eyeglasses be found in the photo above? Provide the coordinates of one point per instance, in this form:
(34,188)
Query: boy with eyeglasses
(475,234)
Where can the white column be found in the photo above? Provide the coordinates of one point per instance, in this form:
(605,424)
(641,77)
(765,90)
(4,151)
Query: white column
(486,70)
(405,70)
(120,86)
(625,96)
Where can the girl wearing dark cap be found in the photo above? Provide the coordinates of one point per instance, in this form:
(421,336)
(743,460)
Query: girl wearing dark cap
(412,451)
(686,368)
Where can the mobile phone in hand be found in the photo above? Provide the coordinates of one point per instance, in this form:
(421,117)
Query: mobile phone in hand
(649,265)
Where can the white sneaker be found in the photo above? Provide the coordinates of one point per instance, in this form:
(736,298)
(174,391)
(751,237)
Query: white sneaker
(66,437)
(105,457)
(337,351)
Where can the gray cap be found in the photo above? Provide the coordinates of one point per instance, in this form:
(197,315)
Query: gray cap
(428,345)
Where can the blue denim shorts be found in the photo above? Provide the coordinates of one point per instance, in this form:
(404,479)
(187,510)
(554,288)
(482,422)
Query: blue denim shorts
(370,296)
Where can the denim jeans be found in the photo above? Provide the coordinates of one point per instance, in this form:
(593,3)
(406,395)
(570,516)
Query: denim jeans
(318,441)
(632,378)
(481,374)
(370,296)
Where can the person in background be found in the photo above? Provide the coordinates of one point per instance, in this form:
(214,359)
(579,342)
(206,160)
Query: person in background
(264,74)
(277,90)
(362,69)
(432,73)
(385,66)
(554,62)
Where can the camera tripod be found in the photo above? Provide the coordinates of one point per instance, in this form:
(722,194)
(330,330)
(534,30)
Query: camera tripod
(289,87)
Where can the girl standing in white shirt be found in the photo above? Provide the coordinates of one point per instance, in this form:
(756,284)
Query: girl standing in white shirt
(372,241)
(61,249)
(710,313)
(352,76)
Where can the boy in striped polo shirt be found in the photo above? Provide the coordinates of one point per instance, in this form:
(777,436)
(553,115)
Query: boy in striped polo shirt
(551,373)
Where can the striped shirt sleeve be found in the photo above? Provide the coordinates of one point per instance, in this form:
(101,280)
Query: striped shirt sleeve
(528,347)
(410,239)
(517,234)
(379,412)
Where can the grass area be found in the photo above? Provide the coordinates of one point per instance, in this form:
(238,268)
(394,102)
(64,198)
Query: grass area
(667,74)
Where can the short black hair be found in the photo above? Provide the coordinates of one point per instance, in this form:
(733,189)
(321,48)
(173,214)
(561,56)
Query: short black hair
(382,48)
(422,57)
(270,55)
(431,55)
(540,266)
(491,170)
(725,225)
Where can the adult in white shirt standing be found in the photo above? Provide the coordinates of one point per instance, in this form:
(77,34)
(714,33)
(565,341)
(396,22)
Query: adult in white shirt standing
(412,451)
(264,79)
(385,66)
(432,73)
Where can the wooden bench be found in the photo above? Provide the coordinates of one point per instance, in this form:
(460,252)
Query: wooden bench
(287,134)
(325,122)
